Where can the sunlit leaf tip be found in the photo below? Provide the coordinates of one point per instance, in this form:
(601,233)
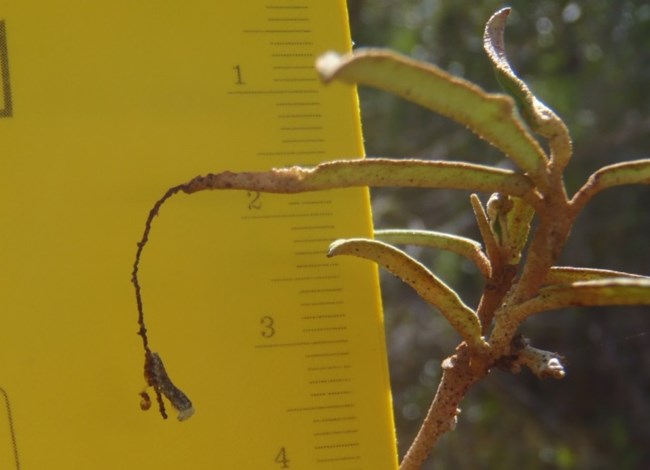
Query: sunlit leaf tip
(537,115)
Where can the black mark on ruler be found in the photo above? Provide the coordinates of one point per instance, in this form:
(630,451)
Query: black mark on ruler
(276,31)
(271,92)
(303,278)
(320,408)
(6,107)
(327,354)
(12,431)
(287,216)
(287,7)
(330,433)
(301,343)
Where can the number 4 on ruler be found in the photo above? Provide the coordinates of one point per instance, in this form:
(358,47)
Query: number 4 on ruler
(282,458)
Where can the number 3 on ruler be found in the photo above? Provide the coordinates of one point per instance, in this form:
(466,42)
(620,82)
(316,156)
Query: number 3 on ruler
(268,329)
(282,458)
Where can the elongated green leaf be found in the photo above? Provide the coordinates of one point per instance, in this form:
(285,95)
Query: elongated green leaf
(633,172)
(611,291)
(491,245)
(539,117)
(427,285)
(567,275)
(510,218)
(490,116)
(378,172)
(518,220)
(462,246)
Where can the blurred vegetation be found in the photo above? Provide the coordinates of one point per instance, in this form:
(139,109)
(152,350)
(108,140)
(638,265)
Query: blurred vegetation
(590,62)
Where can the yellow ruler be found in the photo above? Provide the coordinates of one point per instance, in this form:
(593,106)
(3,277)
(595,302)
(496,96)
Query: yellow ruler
(103,106)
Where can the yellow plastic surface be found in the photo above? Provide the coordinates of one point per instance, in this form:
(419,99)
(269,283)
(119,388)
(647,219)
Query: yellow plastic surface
(104,105)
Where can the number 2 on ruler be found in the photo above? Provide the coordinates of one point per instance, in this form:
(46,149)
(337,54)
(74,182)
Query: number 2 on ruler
(282,458)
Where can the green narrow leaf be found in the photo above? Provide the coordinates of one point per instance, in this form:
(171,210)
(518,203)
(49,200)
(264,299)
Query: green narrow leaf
(435,292)
(510,218)
(462,246)
(567,275)
(601,292)
(376,172)
(633,172)
(518,220)
(491,116)
(537,115)
(483,222)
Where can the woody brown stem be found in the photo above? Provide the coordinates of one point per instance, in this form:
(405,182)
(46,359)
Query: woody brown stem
(457,376)
(495,289)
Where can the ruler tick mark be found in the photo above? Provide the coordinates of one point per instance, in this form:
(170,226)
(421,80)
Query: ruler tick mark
(338,459)
(298,103)
(303,278)
(291,43)
(274,31)
(305,152)
(289,19)
(332,354)
(302,128)
(334,433)
(320,304)
(302,141)
(324,329)
(318,265)
(287,216)
(300,115)
(328,381)
(315,201)
(293,54)
(293,67)
(300,343)
(295,80)
(336,419)
(330,394)
(322,407)
(322,317)
(272,92)
(287,7)
(319,368)
(337,446)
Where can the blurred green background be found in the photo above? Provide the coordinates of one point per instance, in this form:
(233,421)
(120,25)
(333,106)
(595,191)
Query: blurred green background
(590,62)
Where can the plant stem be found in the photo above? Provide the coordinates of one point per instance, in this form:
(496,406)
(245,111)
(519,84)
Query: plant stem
(457,376)
(495,290)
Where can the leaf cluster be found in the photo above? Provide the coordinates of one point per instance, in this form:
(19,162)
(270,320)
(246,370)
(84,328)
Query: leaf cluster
(513,123)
